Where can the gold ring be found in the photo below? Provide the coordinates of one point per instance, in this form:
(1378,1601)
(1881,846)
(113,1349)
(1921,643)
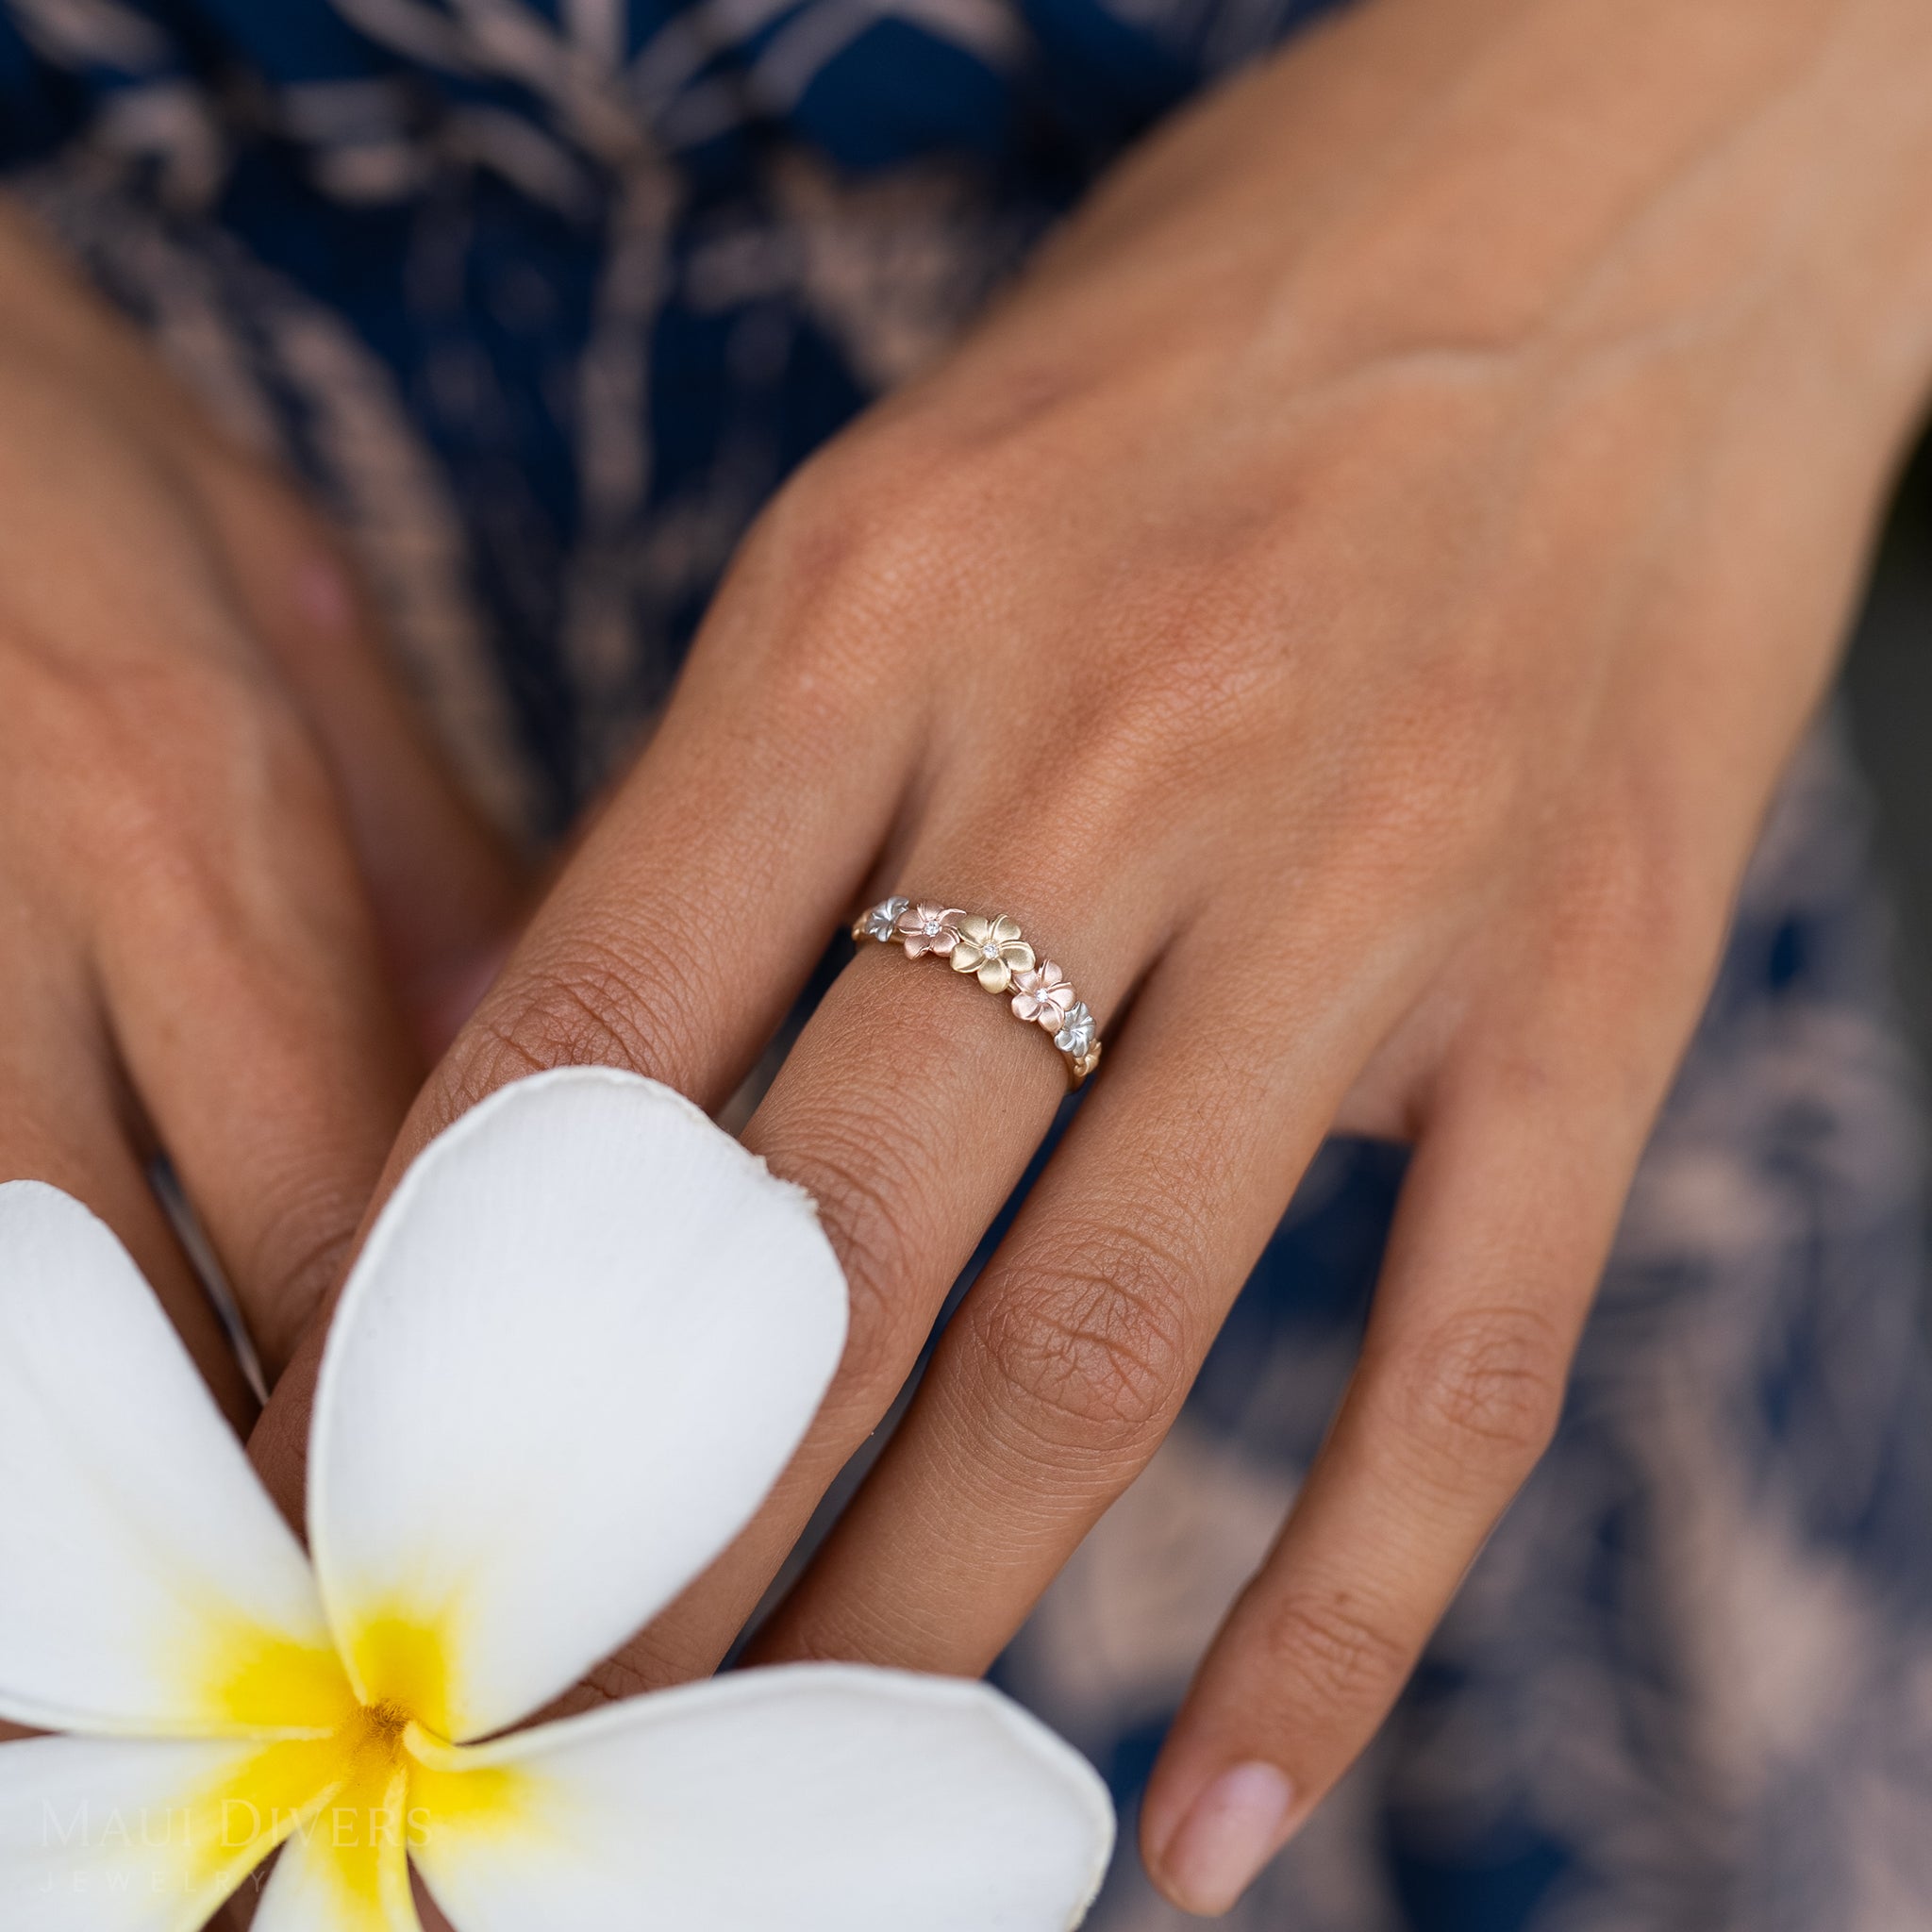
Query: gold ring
(997,955)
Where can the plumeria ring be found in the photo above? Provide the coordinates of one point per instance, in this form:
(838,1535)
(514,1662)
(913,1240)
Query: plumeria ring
(996,952)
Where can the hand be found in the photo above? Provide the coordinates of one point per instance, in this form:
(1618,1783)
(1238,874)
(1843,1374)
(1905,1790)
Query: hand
(1352,604)
(239,897)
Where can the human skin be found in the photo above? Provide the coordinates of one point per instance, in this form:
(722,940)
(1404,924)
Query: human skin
(241,905)
(1351,603)
(240,899)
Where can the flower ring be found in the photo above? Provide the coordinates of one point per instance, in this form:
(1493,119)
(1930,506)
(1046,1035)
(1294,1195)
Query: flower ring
(991,947)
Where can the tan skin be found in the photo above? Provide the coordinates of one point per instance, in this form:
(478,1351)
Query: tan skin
(244,906)
(1351,603)
(241,894)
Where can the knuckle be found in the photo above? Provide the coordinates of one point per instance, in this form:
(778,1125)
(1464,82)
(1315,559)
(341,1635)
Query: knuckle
(195,758)
(232,717)
(860,531)
(1166,709)
(1327,1648)
(1195,665)
(607,1003)
(229,825)
(1628,904)
(1089,1350)
(1482,1395)
(1436,794)
(556,1022)
(1606,887)
(864,1180)
(838,580)
(294,1259)
(490,1053)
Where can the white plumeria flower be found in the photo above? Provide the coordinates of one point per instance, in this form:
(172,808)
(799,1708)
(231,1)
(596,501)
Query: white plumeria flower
(582,1341)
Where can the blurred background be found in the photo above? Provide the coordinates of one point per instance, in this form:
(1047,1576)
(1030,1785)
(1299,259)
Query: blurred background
(1888,696)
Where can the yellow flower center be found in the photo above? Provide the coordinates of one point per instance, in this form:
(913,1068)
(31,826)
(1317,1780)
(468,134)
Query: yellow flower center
(353,1785)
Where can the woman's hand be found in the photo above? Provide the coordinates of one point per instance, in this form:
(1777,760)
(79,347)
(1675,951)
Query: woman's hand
(1352,604)
(237,896)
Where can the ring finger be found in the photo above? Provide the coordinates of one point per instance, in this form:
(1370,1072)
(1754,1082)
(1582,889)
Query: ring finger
(908,1109)
(1073,1353)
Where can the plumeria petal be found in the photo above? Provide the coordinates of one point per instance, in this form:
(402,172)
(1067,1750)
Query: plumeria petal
(127,1834)
(147,1586)
(820,1798)
(491,1512)
(347,1868)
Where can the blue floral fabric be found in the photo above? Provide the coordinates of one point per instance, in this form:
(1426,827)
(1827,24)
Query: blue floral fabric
(1688,1683)
(612,267)
(542,299)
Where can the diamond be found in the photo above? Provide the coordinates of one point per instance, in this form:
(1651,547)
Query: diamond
(1076,1036)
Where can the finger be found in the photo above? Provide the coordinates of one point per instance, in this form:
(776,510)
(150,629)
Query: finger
(1074,1351)
(678,936)
(446,889)
(1507,1214)
(910,1114)
(910,1110)
(66,1122)
(238,967)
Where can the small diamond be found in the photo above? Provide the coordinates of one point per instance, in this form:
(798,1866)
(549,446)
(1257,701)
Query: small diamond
(878,924)
(1076,1036)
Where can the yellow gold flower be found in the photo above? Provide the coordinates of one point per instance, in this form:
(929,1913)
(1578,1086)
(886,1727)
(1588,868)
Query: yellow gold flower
(991,948)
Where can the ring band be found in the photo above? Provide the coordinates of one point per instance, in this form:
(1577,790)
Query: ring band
(995,952)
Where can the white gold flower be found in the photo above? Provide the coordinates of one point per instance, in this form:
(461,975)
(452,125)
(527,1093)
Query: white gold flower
(584,1338)
(880,921)
(1076,1037)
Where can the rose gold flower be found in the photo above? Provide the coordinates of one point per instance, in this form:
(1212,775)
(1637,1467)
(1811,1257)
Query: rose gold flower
(992,948)
(1043,994)
(929,929)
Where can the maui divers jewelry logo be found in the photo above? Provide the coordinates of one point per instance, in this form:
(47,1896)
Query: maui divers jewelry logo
(204,1841)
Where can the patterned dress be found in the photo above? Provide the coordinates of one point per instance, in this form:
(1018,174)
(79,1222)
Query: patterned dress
(542,299)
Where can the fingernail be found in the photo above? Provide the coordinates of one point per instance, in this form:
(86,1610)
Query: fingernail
(1237,1824)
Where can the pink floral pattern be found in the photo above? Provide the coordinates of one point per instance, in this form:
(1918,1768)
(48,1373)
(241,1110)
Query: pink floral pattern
(924,928)
(1043,995)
